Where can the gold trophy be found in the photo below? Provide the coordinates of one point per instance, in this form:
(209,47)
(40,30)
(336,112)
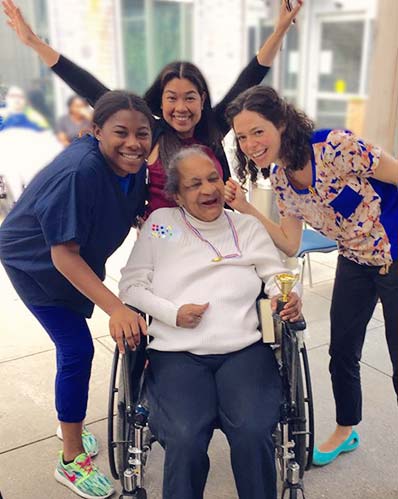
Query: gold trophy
(269,325)
(285,283)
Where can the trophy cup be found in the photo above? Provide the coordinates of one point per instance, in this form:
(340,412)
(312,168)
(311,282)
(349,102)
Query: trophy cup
(285,283)
(270,324)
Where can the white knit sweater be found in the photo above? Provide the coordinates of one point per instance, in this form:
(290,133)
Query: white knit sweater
(166,271)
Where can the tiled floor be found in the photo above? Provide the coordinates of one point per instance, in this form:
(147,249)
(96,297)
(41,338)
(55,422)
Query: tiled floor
(28,446)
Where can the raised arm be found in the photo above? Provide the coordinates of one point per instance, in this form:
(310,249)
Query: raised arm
(258,67)
(272,44)
(286,235)
(79,80)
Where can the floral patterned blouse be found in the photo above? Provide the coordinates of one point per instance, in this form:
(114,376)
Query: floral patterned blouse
(345,202)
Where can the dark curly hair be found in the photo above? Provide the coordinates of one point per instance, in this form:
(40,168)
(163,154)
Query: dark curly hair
(206,131)
(295,149)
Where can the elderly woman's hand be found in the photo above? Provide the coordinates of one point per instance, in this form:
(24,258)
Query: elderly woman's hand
(235,196)
(292,310)
(190,315)
(125,323)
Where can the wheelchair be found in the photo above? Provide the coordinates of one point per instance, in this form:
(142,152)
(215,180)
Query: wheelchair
(130,439)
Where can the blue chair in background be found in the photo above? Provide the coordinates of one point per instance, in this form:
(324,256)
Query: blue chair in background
(313,242)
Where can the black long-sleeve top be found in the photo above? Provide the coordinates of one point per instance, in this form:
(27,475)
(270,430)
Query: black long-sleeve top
(87,86)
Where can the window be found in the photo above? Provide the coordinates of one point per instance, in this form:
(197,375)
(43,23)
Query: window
(155,32)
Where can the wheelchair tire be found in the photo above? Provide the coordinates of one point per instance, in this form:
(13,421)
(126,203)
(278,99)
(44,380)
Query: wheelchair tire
(111,411)
(123,428)
(309,406)
(298,426)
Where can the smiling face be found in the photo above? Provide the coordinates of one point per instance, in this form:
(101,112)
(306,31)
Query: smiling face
(257,137)
(182,106)
(125,141)
(201,189)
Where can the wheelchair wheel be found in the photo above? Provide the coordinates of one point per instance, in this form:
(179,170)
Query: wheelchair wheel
(123,393)
(309,407)
(111,412)
(124,415)
(117,411)
(302,427)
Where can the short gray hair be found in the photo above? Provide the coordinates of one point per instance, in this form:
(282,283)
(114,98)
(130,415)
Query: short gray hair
(173,174)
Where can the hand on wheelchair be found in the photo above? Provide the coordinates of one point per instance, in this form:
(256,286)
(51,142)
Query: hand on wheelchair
(124,323)
(190,315)
(292,310)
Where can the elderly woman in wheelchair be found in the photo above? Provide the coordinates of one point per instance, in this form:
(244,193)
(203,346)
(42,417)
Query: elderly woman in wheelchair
(197,271)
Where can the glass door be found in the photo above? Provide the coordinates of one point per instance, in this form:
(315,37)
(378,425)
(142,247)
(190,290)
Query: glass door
(339,75)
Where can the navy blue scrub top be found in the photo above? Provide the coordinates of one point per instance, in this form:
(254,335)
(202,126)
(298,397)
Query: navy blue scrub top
(77,198)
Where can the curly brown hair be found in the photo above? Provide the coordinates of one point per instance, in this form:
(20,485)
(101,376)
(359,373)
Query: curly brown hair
(295,149)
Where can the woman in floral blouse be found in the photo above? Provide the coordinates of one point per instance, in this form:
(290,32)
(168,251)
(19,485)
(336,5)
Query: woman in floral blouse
(345,188)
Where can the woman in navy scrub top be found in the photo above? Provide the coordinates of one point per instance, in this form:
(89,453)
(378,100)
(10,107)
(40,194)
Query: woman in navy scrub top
(54,245)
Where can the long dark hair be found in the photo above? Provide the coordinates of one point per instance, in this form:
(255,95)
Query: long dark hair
(206,131)
(295,149)
(116,100)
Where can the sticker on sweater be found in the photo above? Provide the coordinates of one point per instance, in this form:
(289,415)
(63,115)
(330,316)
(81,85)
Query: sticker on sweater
(162,231)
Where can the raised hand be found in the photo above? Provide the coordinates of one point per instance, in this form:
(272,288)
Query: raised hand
(27,36)
(235,196)
(17,22)
(190,315)
(288,16)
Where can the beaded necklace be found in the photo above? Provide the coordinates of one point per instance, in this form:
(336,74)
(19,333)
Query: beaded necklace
(219,256)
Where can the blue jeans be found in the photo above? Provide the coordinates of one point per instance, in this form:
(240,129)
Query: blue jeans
(75,350)
(189,395)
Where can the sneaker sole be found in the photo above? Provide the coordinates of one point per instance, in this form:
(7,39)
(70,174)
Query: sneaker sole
(62,480)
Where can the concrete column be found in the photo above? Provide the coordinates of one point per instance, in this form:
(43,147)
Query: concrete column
(381,118)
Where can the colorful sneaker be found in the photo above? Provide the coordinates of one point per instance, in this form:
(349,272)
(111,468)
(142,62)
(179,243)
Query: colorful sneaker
(83,477)
(90,443)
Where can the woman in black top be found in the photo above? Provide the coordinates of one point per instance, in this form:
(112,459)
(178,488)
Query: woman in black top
(179,96)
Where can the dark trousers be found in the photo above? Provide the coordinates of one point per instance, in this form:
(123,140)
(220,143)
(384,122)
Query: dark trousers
(190,394)
(355,294)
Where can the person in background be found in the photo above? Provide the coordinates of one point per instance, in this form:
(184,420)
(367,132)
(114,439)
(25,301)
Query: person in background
(346,188)
(26,143)
(18,113)
(179,96)
(76,121)
(36,96)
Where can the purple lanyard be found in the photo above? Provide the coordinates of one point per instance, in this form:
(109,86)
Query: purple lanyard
(219,256)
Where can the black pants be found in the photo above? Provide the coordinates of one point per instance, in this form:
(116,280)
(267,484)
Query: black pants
(188,394)
(355,294)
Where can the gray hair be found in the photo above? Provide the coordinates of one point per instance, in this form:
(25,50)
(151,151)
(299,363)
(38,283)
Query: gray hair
(173,174)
